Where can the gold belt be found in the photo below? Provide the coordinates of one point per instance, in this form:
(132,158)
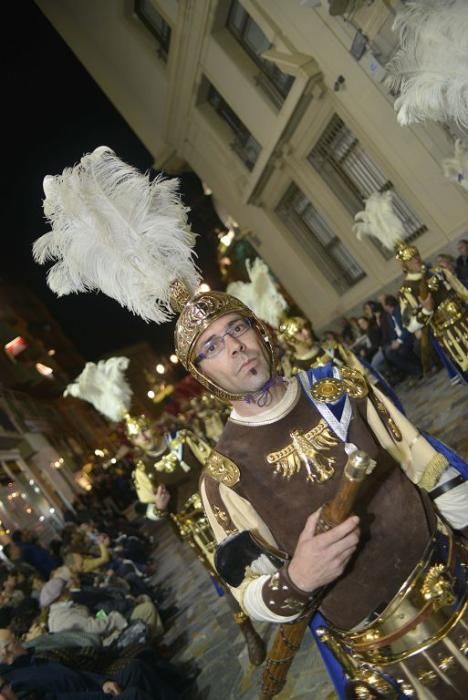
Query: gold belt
(427,606)
(447,313)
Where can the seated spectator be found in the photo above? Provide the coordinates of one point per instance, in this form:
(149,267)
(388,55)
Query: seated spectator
(461,263)
(24,671)
(78,563)
(65,615)
(10,592)
(24,548)
(398,342)
(370,341)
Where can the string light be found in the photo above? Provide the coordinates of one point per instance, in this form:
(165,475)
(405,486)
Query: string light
(151,394)
(174,359)
(52,510)
(99,453)
(204,287)
(160,369)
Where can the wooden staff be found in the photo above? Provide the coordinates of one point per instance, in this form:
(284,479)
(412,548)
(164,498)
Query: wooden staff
(289,636)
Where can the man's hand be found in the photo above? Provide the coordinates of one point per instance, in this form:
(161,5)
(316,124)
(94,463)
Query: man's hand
(161,497)
(111,688)
(320,559)
(427,303)
(104,539)
(395,344)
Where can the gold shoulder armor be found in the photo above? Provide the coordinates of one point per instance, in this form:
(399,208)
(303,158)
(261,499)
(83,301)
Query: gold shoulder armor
(222,469)
(355,383)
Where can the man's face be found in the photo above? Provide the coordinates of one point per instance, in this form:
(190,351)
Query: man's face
(414,264)
(10,647)
(368,311)
(242,365)
(304,336)
(462,248)
(145,439)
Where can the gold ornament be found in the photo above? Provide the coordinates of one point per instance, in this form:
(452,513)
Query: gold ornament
(405,252)
(437,587)
(304,450)
(222,469)
(327,390)
(355,383)
(136,424)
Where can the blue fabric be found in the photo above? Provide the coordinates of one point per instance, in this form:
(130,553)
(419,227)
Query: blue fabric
(383,385)
(219,589)
(334,668)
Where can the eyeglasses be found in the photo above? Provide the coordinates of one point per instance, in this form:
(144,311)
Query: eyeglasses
(215,345)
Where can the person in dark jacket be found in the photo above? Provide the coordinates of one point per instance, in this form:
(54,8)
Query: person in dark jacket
(461,263)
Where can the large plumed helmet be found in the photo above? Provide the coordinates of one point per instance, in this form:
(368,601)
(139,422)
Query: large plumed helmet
(116,231)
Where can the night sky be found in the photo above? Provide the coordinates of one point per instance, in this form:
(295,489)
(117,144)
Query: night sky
(55,113)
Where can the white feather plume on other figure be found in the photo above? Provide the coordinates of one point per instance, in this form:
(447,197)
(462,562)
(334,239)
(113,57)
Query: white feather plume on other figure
(260,294)
(456,168)
(431,67)
(115,231)
(379,220)
(104,386)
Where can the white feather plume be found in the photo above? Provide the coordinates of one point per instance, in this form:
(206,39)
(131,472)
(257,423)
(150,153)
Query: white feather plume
(260,294)
(456,168)
(379,220)
(115,231)
(104,386)
(431,67)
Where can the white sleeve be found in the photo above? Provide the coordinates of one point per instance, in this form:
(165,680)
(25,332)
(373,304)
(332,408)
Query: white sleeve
(254,604)
(454,503)
(151,512)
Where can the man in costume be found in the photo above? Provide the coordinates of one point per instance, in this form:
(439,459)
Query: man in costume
(434,300)
(389,581)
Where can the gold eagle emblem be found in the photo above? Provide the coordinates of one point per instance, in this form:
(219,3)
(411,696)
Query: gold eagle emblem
(305,450)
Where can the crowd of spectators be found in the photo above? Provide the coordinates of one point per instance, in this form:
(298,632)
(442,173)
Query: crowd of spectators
(379,336)
(81,619)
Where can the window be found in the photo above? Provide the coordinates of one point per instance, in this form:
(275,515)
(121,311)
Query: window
(156,24)
(315,235)
(271,80)
(244,144)
(352,175)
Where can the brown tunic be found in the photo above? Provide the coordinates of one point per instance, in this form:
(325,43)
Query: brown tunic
(395,523)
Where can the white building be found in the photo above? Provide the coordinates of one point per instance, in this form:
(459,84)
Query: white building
(280,109)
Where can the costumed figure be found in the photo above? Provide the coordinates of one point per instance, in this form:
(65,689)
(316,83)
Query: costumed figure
(435,300)
(390,591)
(150,216)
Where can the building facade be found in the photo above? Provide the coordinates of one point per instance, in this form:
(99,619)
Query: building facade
(282,111)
